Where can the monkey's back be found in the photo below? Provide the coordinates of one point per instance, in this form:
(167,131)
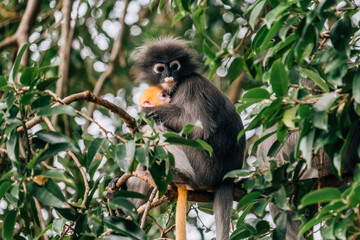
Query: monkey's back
(201,100)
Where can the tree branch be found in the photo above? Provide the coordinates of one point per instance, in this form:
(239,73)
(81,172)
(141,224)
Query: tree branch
(22,33)
(89,97)
(65,49)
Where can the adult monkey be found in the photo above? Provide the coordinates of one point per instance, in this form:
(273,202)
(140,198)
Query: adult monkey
(170,64)
(320,164)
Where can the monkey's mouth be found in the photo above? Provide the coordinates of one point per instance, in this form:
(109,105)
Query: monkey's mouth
(168,84)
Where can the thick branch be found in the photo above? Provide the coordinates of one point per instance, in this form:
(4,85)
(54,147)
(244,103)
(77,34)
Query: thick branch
(235,88)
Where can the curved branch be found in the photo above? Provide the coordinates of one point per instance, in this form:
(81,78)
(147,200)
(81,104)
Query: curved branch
(90,97)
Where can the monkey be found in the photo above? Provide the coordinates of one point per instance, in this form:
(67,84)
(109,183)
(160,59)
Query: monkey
(319,167)
(169,63)
(153,96)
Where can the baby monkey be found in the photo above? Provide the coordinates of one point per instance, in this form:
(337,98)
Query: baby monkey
(156,96)
(153,96)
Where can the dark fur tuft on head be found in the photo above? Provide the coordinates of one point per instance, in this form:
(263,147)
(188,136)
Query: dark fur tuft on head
(164,50)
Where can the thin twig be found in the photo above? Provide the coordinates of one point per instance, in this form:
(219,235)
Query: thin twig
(147,208)
(72,155)
(41,218)
(87,188)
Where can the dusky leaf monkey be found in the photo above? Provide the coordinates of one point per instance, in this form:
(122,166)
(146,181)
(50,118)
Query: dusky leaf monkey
(320,166)
(153,96)
(169,64)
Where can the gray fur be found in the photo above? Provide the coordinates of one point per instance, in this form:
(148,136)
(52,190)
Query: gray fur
(196,98)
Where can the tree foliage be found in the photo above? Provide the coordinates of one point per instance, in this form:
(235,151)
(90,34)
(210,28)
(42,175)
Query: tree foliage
(296,62)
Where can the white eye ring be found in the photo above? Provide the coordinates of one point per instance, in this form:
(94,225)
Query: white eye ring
(175,65)
(159,67)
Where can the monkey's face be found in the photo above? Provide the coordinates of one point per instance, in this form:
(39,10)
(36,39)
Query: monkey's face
(166,63)
(168,74)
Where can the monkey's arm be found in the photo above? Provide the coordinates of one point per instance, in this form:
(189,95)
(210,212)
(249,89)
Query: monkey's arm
(169,115)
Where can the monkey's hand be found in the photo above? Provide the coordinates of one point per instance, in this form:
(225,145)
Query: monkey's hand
(152,114)
(111,187)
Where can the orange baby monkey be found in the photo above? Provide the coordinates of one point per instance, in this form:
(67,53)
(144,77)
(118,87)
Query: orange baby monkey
(153,96)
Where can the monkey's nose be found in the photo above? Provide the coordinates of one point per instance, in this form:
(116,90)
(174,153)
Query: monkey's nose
(169,79)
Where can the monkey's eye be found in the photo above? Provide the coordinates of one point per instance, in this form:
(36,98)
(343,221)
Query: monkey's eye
(159,67)
(175,65)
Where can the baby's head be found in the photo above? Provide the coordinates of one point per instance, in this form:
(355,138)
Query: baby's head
(153,96)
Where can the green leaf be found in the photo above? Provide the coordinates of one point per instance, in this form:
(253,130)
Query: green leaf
(121,157)
(315,76)
(259,38)
(52,137)
(185,5)
(3,82)
(12,146)
(25,99)
(42,101)
(306,145)
(248,198)
(320,196)
(279,79)
(280,199)
(255,95)
(275,13)
(27,76)
(65,109)
(126,206)
(142,154)
(290,116)
(238,173)
(199,19)
(340,34)
(199,144)
(125,227)
(267,42)
(95,152)
(9,224)
(262,227)
(325,102)
(58,225)
(4,187)
(305,45)
(161,5)
(281,223)
(245,212)
(256,12)
(57,174)
(51,151)
(45,230)
(160,176)
(45,196)
(354,197)
(309,224)
(180,15)
(15,67)
(356,87)
(42,85)
(235,69)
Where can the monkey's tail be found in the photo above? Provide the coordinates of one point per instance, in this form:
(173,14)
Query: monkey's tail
(223,201)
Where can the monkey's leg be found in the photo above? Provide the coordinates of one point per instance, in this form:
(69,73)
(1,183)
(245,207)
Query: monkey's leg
(180,220)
